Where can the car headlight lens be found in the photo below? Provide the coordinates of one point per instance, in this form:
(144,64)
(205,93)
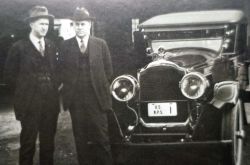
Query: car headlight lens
(124,87)
(193,85)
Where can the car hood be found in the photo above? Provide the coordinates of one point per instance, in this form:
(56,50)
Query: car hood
(188,61)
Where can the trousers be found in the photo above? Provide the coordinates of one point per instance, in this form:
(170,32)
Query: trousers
(40,121)
(90,129)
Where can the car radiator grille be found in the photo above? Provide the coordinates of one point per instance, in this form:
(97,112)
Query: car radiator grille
(161,84)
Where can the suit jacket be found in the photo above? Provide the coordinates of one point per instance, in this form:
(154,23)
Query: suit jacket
(100,70)
(21,73)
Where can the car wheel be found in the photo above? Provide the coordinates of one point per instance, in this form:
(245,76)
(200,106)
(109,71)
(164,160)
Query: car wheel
(233,129)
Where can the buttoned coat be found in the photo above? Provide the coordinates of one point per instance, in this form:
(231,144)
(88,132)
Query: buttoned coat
(20,73)
(100,70)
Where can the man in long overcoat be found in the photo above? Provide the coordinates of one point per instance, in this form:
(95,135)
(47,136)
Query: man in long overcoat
(86,71)
(30,70)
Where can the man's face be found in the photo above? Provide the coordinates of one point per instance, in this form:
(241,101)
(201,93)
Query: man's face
(82,28)
(40,27)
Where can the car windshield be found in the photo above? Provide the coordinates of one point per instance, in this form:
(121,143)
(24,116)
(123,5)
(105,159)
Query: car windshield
(204,37)
(213,44)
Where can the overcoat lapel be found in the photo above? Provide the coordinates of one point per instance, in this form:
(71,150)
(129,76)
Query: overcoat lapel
(32,46)
(48,54)
(75,51)
(92,52)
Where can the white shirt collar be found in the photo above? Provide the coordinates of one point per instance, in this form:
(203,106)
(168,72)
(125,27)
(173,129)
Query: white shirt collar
(85,40)
(36,40)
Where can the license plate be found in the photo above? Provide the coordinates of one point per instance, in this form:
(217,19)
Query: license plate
(162,109)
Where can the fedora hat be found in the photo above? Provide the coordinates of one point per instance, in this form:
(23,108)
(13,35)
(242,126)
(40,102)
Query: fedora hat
(81,14)
(37,12)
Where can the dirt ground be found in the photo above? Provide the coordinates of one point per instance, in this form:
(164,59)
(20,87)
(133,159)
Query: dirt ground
(9,141)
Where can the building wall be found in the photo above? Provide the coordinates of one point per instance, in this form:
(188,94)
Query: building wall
(64,28)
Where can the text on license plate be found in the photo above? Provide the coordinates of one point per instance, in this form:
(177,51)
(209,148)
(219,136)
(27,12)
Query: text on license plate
(162,109)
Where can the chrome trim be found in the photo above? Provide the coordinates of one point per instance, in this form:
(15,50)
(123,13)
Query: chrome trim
(162,125)
(131,128)
(191,39)
(236,38)
(162,62)
(203,79)
(131,79)
(176,28)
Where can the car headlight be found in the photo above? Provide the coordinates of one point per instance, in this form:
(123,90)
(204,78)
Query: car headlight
(193,85)
(124,87)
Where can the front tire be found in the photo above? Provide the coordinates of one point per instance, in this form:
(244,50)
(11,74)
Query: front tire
(233,129)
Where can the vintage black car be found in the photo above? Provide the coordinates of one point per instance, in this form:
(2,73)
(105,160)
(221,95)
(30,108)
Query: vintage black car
(190,94)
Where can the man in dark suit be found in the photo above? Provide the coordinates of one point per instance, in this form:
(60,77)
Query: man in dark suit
(86,71)
(30,70)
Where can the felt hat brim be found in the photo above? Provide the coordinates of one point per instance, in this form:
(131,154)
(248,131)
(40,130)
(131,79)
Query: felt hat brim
(82,19)
(30,19)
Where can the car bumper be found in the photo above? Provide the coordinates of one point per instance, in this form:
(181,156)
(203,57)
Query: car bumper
(193,144)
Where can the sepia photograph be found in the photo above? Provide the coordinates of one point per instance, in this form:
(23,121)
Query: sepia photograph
(114,82)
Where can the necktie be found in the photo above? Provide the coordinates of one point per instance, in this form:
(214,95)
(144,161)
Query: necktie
(82,47)
(41,49)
